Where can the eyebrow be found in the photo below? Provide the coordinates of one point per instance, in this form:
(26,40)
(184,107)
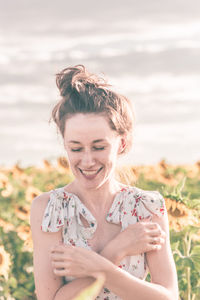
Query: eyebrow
(95,141)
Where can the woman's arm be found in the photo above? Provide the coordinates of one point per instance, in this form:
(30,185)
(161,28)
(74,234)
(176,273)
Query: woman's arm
(135,239)
(71,289)
(161,264)
(164,283)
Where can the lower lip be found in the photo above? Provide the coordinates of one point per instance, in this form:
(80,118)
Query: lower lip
(91,177)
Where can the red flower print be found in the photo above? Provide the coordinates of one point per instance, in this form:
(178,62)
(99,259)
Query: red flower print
(134,213)
(137,199)
(72,242)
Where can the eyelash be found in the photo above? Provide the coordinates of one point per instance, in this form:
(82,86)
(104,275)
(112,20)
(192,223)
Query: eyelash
(95,148)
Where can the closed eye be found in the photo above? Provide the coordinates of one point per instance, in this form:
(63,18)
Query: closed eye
(99,148)
(95,148)
(76,150)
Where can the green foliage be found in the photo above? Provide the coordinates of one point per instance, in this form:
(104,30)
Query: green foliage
(20,283)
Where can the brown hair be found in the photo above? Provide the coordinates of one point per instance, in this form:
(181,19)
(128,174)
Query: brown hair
(83,92)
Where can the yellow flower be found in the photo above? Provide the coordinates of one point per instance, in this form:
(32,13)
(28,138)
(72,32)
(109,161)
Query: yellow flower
(5,262)
(24,233)
(63,164)
(3,180)
(17,171)
(22,212)
(31,193)
(6,226)
(179,215)
(47,165)
(8,191)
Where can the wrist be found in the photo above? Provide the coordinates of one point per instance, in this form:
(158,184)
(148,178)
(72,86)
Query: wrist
(113,252)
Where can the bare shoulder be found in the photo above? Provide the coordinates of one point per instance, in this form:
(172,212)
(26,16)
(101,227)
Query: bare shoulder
(161,263)
(46,282)
(39,203)
(38,206)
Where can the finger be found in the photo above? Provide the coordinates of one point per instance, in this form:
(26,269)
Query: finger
(153,247)
(152,225)
(57,248)
(57,257)
(61,248)
(61,272)
(156,232)
(58,265)
(157,240)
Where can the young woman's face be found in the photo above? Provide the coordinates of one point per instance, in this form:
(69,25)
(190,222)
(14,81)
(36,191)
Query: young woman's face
(92,148)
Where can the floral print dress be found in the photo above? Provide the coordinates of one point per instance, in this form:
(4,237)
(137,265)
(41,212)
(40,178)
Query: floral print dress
(130,205)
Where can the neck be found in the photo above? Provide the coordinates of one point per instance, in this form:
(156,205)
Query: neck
(100,199)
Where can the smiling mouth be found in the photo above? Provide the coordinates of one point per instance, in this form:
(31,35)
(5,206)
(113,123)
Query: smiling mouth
(90,174)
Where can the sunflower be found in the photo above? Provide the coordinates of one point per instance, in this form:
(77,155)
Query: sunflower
(3,180)
(7,191)
(47,165)
(192,170)
(22,212)
(63,164)
(6,225)
(17,171)
(163,164)
(31,193)
(179,215)
(160,173)
(24,232)
(5,262)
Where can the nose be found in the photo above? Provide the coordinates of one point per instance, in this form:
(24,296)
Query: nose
(88,159)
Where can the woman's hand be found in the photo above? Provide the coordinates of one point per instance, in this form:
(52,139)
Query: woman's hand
(77,262)
(138,238)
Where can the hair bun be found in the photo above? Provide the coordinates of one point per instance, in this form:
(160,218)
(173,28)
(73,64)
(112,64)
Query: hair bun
(77,78)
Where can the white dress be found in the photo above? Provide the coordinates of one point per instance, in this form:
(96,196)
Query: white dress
(130,205)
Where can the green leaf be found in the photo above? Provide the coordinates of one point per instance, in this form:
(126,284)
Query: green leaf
(195,256)
(20,293)
(12,282)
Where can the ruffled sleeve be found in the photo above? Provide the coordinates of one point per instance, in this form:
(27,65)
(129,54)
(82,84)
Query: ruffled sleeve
(148,203)
(53,218)
(64,210)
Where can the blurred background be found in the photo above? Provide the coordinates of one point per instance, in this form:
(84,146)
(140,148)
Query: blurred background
(148,50)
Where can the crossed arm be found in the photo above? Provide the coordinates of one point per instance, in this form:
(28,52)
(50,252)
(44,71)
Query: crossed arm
(163,285)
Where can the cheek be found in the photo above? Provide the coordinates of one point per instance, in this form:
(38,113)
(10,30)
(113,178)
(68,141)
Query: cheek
(109,157)
(73,159)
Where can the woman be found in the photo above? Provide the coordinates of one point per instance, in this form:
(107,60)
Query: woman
(95,223)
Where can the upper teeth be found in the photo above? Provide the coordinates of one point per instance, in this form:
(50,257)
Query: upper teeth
(89,172)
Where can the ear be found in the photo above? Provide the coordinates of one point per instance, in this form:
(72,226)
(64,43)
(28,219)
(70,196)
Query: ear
(122,144)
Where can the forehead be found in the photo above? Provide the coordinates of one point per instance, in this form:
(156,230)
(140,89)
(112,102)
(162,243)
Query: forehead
(83,127)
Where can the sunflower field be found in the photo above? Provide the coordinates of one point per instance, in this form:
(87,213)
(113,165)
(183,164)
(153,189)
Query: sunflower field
(179,185)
